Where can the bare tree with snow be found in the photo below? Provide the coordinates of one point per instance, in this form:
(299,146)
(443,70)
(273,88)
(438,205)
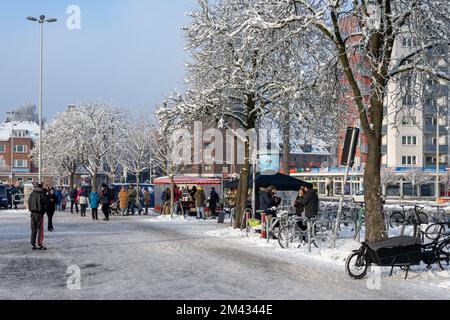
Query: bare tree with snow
(380,24)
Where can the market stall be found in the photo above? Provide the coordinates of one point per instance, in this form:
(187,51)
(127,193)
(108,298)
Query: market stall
(186,183)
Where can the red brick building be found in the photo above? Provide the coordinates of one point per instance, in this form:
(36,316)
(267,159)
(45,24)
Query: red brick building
(17,139)
(350,30)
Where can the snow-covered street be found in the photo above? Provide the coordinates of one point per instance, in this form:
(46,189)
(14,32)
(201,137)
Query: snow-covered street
(154,258)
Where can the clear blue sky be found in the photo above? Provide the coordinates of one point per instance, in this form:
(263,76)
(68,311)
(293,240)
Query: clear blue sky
(128,52)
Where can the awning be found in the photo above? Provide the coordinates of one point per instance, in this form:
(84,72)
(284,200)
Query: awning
(184,180)
(281,181)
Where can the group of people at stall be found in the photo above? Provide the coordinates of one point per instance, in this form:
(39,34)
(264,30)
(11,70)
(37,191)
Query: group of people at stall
(129,201)
(189,197)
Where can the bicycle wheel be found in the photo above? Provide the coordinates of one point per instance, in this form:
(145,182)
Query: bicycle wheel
(357,265)
(434,231)
(285,236)
(396,219)
(444,255)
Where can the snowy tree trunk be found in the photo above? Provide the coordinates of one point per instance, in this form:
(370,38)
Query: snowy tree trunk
(94,180)
(375,227)
(138,181)
(72,179)
(172,193)
(241,200)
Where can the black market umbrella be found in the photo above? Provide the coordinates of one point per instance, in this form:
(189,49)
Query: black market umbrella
(281,181)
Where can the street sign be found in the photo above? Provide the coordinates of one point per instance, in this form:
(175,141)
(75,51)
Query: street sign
(350,146)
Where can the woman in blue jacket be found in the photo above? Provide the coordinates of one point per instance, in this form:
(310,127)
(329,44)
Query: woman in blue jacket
(94,200)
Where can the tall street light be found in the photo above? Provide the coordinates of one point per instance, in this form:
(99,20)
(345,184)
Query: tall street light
(42,20)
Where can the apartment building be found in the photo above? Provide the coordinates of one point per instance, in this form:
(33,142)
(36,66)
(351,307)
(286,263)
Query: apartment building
(17,139)
(416,125)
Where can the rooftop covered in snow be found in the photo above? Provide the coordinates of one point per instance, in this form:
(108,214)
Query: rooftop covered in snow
(30,129)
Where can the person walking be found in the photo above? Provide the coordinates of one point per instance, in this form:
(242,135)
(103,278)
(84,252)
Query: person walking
(132,195)
(83,201)
(73,200)
(200,199)
(94,201)
(213,200)
(123,201)
(64,200)
(58,195)
(37,203)
(147,200)
(52,201)
(14,192)
(105,198)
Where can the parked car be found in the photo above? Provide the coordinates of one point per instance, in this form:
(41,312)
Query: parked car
(3,197)
(359,197)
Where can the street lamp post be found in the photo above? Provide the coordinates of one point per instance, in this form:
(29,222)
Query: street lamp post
(42,20)
(12,152)
(438,156)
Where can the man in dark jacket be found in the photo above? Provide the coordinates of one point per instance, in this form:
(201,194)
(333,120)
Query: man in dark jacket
(37,204)
(51,207)
(213,200)
(105,200)
(310,201)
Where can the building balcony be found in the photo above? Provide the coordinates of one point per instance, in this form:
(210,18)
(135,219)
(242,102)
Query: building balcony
(433,149)
(432,129)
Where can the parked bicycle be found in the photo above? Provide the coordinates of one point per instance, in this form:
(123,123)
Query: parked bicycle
(408,217)
(296,231)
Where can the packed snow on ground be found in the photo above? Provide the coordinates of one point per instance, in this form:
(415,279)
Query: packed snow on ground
(324,255)
(148,257)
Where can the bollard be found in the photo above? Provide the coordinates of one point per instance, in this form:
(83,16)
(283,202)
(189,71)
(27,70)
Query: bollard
(263,225)
(247,223)
(267,230)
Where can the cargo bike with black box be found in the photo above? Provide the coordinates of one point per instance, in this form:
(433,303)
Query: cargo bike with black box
(402,252)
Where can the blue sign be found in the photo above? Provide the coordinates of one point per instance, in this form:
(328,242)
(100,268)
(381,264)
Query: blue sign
(269,163)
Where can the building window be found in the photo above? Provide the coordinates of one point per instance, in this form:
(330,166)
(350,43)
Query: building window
(409,120)
(20,133)
(2,148)
(19,163)
(409,160)
(208,168)
(20,148)
(409,140)
(30,180)
(2,163)
(409,100)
